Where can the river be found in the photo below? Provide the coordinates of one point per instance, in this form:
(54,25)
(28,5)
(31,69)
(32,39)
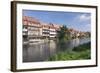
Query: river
(42,51)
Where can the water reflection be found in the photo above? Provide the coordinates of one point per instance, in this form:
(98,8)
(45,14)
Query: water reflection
(42,51)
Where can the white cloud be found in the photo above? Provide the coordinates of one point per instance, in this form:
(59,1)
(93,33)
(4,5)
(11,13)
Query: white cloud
(84,17)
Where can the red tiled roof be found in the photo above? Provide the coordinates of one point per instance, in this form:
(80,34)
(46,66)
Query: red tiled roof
(45,25)
(31,20)
(35,22)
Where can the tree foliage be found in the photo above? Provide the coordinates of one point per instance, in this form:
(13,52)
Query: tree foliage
(63,33)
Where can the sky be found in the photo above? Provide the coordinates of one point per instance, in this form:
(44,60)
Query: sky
(76,20)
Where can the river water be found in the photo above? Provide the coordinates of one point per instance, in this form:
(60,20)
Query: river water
(42,51)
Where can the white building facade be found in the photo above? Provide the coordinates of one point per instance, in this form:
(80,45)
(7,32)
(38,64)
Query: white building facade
(33,29)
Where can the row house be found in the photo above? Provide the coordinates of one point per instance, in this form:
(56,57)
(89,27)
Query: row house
(25,30)
(31,29)
(45,30)
(53,30)
(73,33)
(34,29)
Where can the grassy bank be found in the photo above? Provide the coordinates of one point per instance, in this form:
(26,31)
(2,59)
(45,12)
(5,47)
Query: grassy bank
(78,53)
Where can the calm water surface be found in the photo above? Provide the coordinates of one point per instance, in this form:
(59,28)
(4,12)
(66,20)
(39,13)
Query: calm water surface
(42,51)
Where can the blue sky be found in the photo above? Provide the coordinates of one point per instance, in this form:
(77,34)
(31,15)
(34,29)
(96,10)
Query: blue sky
(76,20)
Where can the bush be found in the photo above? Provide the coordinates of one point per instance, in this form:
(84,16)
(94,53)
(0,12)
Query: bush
(76,54)
(82,47)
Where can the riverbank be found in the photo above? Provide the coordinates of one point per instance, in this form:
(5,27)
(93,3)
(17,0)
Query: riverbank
(78,53)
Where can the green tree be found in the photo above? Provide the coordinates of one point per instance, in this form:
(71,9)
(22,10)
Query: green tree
(88,34)
(63,33)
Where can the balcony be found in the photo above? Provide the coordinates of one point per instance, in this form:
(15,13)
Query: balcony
(24,29)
